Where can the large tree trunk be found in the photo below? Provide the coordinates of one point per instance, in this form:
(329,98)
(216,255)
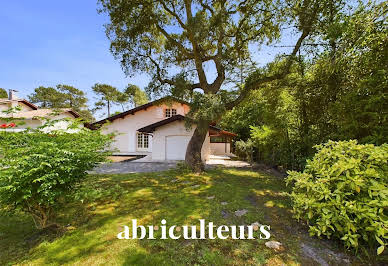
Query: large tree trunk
(193,152)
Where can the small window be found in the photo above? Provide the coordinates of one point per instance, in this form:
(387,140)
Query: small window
(217,139)
(170,112)
(142,141)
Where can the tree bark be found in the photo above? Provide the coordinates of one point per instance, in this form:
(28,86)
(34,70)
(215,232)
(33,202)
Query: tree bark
(193,152)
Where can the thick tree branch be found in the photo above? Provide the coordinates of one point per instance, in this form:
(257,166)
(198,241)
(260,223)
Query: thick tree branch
(195,86)
(206,7)
(158,73)
(197,56)
(216,85)
(254,83)
(180,46)
(174,14)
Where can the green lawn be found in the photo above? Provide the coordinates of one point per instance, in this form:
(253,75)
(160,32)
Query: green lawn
(113,200)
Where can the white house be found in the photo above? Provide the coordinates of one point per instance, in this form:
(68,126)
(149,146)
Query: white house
(31,115)
(157,129)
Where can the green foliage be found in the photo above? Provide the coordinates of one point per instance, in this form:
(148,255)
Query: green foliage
(261,134)
(137,96)
(339,94)
(343,193)
(271,119)
(38,169)
(47,97)
(63,96)
(149,198)
(244,149)
(73,97)
(248,113)
(109,95)
(3,93)
(175,42)
(206,107)
(147,43)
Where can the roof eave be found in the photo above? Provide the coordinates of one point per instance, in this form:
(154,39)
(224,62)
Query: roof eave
(139,108)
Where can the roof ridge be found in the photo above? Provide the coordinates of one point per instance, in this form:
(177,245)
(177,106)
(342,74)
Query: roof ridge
(139,108)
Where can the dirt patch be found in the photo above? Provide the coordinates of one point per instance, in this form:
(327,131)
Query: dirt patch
(295,236)
(49,234)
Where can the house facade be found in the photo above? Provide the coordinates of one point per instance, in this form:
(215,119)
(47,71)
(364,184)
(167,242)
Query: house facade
(31,115)
(157,130)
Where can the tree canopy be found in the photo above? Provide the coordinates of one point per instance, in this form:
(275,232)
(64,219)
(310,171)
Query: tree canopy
(136,95)
(339,94)
(3,93)
(74,97)
(47,97)
(108,96)
(63,96)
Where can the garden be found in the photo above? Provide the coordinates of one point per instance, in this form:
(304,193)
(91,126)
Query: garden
(54,212)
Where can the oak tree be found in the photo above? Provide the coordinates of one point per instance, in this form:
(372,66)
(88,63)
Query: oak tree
(178,41)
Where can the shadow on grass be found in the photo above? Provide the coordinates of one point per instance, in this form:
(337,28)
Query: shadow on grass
(180,199)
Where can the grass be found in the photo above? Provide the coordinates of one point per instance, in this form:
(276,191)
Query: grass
(96,213)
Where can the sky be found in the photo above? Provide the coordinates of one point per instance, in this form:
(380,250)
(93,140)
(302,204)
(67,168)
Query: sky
(45,43)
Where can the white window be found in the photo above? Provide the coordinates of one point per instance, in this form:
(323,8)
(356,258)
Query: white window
(170,112)
(142,141)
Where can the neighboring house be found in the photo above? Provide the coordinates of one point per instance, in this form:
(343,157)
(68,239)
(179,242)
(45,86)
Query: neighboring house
(157,129)
(31,115)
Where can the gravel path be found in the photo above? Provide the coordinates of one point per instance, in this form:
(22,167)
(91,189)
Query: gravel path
(224,160)
(143,165)
(133,167)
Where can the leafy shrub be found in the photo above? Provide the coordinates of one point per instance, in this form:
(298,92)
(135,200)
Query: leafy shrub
(244,149)
(37,169)
(343,193)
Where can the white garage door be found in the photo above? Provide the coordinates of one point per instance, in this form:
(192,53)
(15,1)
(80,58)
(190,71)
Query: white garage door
(176,147)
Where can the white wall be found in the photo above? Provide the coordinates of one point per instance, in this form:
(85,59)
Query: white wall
(4,106)
(126,128)
(35,123)
(28,123)
(7,105)
(219,148)
(176,128)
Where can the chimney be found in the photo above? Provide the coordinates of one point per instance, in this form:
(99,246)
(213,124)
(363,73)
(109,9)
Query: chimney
(12,95)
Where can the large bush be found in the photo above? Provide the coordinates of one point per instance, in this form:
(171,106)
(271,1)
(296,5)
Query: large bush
(244,149)
(343,193)
(37,169)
